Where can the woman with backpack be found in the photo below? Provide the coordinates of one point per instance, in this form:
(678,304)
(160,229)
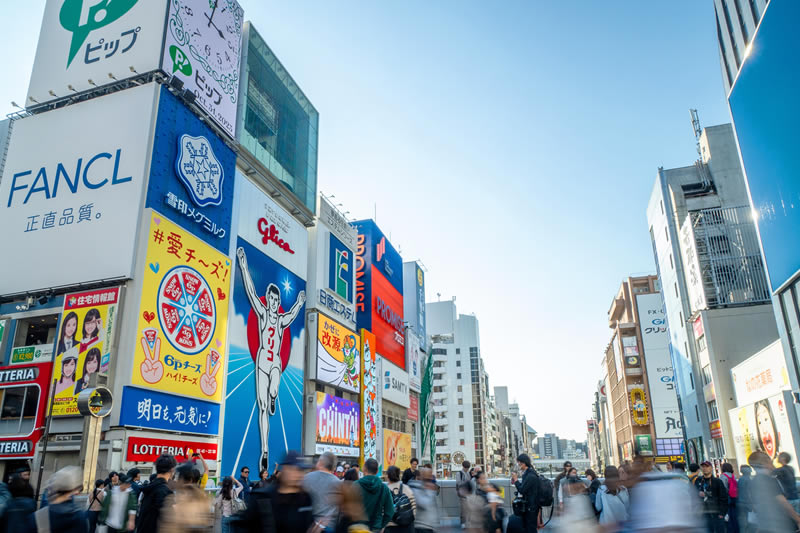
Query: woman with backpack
(227,503)
(612,500)
(405,506)
(729,480)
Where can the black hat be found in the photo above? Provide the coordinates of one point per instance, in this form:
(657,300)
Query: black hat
(292,458)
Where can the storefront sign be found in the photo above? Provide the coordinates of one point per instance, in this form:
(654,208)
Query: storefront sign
(337,426)
(395,384)
(396,449)
(83,345)
(192,173)
(716,429)
(370,398)
(28,417)
(335,306)
(413,408)
(338,355)
(760,376)
(183,314)
(78,200)
(155,410)
(39,353)
(202,48)
(147,450)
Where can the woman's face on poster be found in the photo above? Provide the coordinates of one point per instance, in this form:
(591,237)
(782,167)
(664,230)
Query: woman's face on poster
(91,365)
(70,327)
(766,430)
(69,368)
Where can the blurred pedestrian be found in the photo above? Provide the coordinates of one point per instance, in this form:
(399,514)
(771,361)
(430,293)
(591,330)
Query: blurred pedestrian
(528,487)
(594,484)
(557,482)
(154,494)
(226,503)
(571,477)
(732,486)
(463,477)
(714,496)
(405,506)
(410,472)
(118,512)
(187,510)
(425,491)
(293,505)
(323,486)
(96,503)
(351,475)
(494,513)
(612,500)
(134,475)
(694,472)
(376,496)
(785,476)
(578,515)
(744,503)
(352,518)
(772,512)
(63,515)
(664,501)
(18,514)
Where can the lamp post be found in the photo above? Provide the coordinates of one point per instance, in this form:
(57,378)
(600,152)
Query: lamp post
(94,403)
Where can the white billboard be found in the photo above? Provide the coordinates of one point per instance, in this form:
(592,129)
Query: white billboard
(202,48)
(394,384)
(768,425)
(691,267)
(414,357)
(660,374)
(71,191)
(761,375)
(84,44)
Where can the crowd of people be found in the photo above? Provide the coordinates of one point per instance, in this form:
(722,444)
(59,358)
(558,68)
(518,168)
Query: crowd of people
(331,497)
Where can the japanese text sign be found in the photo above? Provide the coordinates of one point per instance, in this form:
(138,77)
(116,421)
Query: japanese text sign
(396,449)
(147,450)
(84,44)
(156,410)
(337,425)
(338,355)
(83,344)
(413,408)
(76,198)
(183,314)
(762,375)
(192,173)
(370,398)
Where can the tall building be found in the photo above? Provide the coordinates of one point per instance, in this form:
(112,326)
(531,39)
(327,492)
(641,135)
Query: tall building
(737,21)
(549,447)
(713,284)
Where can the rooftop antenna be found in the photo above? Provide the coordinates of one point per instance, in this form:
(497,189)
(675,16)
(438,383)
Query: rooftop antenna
(698,130)
(439,296)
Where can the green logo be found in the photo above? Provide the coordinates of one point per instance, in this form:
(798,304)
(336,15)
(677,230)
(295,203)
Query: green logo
(180,61)
(81,17)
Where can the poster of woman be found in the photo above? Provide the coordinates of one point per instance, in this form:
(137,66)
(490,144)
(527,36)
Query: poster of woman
(765,426)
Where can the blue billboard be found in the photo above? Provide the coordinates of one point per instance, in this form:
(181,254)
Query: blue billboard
(147,408)
(191,173)
(766,110)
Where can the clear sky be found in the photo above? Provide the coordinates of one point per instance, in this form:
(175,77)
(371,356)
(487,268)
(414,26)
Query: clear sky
(511,146)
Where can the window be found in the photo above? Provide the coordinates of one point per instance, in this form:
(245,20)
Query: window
(676,289)
(440,351)
(458,351)
(461,414)
(319,387)
(458,363)
(754,10)
(666,233)
(729,27)
(701,343)
(680,314)
(461,442)
(697,413)
(671,263)
(36,331)
(461,429)
(713,414)
(460,401)
(459,388)
(458,376)
(662,206)
(742,26)
(706,374)
(691,379)
(719,447)
(18,412)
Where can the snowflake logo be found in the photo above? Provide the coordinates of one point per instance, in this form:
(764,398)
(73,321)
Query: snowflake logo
(199,169)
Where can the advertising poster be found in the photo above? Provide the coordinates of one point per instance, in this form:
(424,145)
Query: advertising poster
(761,375)
(83,344)
(28,422)
(340,269)
(151,409)
(766,425)
(337,426)
(192,173)
(86,44)
(202,48)
(414,357)
(80,198)
(338,355)
(395,384)
(147,450)
(370,398)
(413,408)
(183,314)
(39,353)
(396,449)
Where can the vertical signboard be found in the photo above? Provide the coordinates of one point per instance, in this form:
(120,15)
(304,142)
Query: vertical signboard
(660,374)
(338,355)
(691,266)
(370,399)
(337,426)
(414,358)
(264,401)
(202,48)
(83,345)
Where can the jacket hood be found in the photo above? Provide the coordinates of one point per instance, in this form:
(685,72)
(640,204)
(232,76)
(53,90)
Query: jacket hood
(371,484)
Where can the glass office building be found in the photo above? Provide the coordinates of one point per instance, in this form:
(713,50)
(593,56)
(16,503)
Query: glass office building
(277,122)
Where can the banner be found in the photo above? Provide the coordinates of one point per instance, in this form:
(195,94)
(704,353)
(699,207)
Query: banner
(39,353)
(413,408)
(766,425)
(147,450)
(370,398)
(762,375)
(155,410)
(396,449)
(83,345)
(337,426)
(338,355)
(183,314)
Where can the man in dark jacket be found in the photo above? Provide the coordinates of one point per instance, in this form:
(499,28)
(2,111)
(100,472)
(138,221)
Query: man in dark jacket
(714,496)
(154,494)
(63,513)
(528,487)
(377,497)
(411,472)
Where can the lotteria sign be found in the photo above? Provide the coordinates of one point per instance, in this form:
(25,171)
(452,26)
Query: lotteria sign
(29,382)
(147,450)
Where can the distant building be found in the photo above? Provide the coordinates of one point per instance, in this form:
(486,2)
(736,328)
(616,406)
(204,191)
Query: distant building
(737,21)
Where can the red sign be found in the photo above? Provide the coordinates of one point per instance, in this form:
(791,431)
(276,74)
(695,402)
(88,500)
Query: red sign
(36,376)
(270,235)
(590,425)
(413,408)
(698,327)
(716,430)
(387,315)
(77,300)
(147,450)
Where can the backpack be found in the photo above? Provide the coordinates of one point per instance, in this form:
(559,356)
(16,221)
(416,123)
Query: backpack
(733,485)
(544,496)
(462,480)
(403,510)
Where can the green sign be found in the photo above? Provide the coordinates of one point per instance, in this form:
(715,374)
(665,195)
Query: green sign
(644,444)
(31,354)
(81,17)
(179,61)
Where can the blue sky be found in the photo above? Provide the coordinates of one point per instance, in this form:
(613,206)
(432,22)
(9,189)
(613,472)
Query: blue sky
(511,146)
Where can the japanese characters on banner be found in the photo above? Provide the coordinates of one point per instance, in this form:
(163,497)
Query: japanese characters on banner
(27,426)
(395,384)
(183,314)
(338,355)
(370,399)
(413,408)
(80,198)
(83,345)
(191,174)
(85,44)
(202,48)
(396,449)
(337,426)
(660,375)
(761,375)
(414,358)
(147,450)
(147,408)
(768,425)
(263,407)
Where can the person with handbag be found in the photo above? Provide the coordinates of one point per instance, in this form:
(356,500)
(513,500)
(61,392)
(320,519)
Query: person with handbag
(527,487)
(227,503)
(118,511)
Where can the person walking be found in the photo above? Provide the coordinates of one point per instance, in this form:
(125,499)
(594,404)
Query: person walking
(62,514)
(376,496)
(187,509)
(352,518)
(134,475)
(612,500)
(528,487)
(96,503)
(714,496)
(153,495)
(405,505)
(494,514)
(463,477)
(732,486)
(744,502)
(224,503)
(293,505)
(118,511)
(785,476)
(557,482)
(694,472)
(323,486)
(410,472)
(771,510)
(594,484)
(425,491)
(18,514)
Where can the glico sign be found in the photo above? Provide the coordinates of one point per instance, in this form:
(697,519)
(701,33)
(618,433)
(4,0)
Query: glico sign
(379,291)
